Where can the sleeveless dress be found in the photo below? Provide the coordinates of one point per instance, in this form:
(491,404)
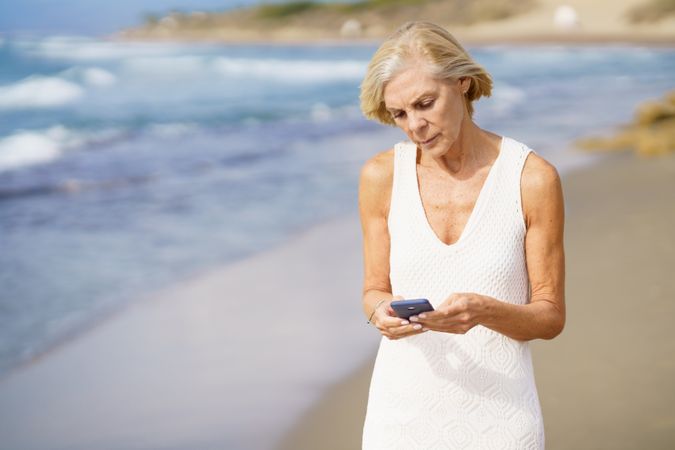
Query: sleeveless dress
(450,391)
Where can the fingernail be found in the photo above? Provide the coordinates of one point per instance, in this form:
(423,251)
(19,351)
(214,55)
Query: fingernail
(414,319)
(417,327)
(425,329)
(422,316)
(404,322)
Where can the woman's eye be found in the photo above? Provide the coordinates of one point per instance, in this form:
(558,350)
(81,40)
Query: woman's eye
(398,115)
(427,104)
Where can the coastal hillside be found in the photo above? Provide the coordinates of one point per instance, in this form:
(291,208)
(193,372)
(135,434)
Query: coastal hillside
(475,20)
(651,133)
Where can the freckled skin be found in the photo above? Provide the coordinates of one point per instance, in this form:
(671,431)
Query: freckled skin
(450,175)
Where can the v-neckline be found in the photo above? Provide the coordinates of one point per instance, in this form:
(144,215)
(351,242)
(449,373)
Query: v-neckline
(475,210)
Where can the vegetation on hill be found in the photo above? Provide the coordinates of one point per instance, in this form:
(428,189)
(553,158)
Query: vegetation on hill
(375,17)
(651,133)
(652,11)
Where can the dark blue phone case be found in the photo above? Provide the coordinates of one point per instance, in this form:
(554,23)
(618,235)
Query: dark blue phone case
(406,308)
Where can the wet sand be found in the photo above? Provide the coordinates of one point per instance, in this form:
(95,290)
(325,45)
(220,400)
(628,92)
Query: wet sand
(206,363)
(606,382)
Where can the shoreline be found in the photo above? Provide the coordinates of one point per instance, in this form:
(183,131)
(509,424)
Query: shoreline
(621,409)
(164,371)
(619,40)
(116,310)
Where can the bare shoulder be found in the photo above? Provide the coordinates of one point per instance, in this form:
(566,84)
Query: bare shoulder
(379,169)
(375,181)
(539,176)
(541,189)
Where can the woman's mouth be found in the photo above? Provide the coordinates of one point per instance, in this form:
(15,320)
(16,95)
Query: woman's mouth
(429,141)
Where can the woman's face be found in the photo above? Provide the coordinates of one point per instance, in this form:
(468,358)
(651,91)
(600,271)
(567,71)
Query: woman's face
(428,110)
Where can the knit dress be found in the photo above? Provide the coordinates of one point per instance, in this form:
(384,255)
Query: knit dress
(440,390)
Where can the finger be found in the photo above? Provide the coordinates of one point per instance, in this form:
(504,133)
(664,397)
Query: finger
(406,330)
(448,313)
(428,317)
(394,321)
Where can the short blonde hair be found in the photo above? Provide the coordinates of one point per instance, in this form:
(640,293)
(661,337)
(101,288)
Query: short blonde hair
(413,41)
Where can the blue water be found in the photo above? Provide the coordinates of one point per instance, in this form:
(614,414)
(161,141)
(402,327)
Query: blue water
(126,167)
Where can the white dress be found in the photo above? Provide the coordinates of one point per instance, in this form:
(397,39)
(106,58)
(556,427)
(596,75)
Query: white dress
(450,391)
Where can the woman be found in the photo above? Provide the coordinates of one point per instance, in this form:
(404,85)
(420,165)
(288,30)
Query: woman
(471,221)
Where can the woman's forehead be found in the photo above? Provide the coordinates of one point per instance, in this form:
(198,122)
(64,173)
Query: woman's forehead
(408,85)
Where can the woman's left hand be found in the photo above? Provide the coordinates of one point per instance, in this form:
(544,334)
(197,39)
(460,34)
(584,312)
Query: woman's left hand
(459,313)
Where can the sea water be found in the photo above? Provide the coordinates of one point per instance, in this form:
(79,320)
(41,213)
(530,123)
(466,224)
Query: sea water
(126,166)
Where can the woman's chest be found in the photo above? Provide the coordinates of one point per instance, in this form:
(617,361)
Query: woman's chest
(448,204)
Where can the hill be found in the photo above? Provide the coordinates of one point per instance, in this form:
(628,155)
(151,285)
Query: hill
(651,21)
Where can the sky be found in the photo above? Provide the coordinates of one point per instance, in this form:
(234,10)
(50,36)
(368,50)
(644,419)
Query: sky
(94,17)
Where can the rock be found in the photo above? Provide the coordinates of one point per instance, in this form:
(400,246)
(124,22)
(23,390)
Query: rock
(651,133)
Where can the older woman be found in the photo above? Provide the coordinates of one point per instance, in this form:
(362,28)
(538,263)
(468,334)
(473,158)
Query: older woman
(471,221)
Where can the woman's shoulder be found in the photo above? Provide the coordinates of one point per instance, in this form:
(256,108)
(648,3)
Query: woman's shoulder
(376,179)
(379,169)
(538,173)
(540,186)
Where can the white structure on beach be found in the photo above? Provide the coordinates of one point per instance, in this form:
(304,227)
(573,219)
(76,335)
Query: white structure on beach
(566,17)
(352,28)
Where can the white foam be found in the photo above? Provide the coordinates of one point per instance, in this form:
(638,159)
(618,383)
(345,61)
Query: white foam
(75,48)
(89,76)
(25,149)
(95,76)
(165,66)
(39,92)
(170,130)
(321,112)
(300,71)
(504,98)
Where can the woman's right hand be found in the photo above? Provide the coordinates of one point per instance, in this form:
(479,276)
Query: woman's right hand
(390,325)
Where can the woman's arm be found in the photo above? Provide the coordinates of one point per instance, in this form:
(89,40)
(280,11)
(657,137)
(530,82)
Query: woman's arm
(374,197)
(544,316)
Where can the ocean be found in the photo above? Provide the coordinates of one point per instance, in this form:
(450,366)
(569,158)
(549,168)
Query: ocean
(125,167)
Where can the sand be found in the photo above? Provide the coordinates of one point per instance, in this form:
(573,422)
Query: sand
(607,381)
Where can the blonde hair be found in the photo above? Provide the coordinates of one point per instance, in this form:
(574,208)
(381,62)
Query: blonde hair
(445,56)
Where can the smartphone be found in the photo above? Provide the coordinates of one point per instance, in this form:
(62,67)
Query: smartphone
(406,308)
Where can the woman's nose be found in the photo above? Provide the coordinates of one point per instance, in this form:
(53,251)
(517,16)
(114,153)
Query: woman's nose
(416,122)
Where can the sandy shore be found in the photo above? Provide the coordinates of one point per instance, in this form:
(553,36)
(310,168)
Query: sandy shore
(606,382)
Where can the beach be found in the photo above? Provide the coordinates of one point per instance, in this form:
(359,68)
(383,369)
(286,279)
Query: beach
(606,381)
(163,373)
(184,270)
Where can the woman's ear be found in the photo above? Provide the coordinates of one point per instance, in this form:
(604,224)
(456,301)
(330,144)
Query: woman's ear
(465,84)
